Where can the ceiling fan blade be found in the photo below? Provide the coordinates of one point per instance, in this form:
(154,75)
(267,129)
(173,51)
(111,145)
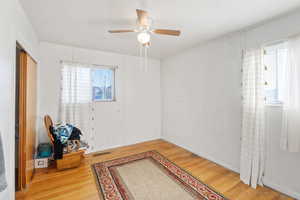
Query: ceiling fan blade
(121,31)
(142,17)
(167,32)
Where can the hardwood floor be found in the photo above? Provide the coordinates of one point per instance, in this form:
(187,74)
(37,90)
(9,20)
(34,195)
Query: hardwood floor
(79,183)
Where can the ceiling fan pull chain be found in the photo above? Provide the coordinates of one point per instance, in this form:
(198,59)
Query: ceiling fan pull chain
(145,58)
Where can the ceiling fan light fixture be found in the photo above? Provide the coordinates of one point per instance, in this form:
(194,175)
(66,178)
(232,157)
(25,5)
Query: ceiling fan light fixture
(144,29)
(143,37)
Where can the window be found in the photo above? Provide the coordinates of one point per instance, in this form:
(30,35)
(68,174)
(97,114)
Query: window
(275,60)
(85,83)
(103,84)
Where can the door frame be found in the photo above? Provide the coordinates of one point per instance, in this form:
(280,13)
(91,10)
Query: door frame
(22,119)
(22,103)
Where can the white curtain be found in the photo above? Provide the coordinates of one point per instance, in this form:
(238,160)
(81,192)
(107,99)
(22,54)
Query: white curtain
(290,133)
(76,106)
(253,124)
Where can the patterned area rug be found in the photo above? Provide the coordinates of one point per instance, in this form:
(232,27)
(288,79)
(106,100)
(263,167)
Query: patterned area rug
(149,176)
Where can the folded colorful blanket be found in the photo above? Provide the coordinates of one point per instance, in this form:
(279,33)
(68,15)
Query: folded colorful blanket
(63,132)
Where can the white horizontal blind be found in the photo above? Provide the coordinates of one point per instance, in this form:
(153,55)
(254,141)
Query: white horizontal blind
(76,83)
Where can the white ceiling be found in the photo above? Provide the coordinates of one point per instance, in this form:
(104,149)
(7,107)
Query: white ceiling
(84,23)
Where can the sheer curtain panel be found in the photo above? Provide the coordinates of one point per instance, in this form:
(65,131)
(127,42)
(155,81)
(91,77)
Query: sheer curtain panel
(290,133)
(253,122)
(76,106)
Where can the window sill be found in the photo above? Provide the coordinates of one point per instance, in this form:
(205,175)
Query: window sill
(274,104)
(104,101)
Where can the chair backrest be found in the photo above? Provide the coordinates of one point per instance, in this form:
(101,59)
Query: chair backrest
(48,122)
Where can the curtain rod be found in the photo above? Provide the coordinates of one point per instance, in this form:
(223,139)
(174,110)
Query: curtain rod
(95,65)
(274,42)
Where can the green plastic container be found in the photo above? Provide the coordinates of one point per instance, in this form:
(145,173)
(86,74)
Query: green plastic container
(44,150)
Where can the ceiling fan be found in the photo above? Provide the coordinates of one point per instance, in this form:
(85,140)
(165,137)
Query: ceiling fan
(144,29)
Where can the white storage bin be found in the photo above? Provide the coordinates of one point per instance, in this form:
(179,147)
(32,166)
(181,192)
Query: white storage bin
(41,162)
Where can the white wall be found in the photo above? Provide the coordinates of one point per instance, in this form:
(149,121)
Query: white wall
(14,26)
(201,92)
(201,100)
(134,117)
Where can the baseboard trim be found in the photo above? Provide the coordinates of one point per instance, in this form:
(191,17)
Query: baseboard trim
(111,148)
(218,162)
(281,188)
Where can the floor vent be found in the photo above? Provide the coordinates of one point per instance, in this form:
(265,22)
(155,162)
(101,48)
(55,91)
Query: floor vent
(194,155)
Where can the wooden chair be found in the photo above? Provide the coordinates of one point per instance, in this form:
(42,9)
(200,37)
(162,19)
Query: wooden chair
(48,123)
(69,160)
